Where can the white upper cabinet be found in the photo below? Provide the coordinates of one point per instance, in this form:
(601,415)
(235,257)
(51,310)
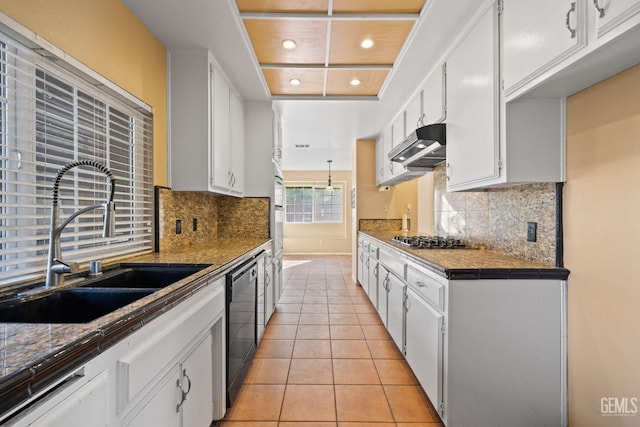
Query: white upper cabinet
(539,35)
(413,114)
(612,14)
(473,105)
(398,133)
(207,126)
(388,165)
(490,142)
(434,105)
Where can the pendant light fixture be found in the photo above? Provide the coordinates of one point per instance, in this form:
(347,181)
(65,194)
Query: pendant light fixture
(329,187)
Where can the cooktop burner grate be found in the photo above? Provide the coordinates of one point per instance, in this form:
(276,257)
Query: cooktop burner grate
(429,242)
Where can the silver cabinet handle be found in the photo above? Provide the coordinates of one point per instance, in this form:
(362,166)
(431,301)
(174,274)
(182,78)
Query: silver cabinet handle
(599,9)
(368,262)
(375,271)
(420,284)
(572,31)
(267,280)
(391,167)
(183,394)
(405,302)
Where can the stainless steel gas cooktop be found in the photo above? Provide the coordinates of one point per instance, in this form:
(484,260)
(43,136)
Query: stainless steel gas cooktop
(430,242)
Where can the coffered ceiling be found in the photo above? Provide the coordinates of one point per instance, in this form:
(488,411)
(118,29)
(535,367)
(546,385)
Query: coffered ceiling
(327,56)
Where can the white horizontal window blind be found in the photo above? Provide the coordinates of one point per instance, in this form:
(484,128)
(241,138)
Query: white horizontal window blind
(308,204)
(49,117)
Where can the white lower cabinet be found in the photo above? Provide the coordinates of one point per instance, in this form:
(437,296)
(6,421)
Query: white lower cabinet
(372,289)
(86,406)
(479,348)
(424,345)
(196,386)
(395,309)
(269,284)
(161,409)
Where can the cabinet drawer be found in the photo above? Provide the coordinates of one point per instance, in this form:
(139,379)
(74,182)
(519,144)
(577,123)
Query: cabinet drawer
(392,261)
(373,251)
(426,287)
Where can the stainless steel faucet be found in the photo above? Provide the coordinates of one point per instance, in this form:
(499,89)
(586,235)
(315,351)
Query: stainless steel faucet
(55,266)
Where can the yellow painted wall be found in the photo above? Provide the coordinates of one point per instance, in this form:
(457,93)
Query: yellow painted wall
(374,204)
(107,37)
(602,206)
(320,238)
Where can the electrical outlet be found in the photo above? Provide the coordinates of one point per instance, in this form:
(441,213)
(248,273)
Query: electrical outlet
(532,231)
(178,226)
(194,224)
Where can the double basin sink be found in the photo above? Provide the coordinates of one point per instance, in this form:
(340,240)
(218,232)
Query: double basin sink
(92,297)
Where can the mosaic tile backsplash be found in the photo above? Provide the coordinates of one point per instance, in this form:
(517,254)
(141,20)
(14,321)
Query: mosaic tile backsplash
(497,218)
(217,217)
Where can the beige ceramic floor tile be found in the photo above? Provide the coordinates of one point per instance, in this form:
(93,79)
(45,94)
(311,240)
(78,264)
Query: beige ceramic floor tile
(395,372)
(384,349)
(340,300)
(306,424)
(410,404)
(375,332)
(280,318)
(274,349)
(248,424)
(314,308)
(313,319)
(257,403)
(364,308)
(369,319)
(346,332)
(313,332)
(308,403)
(345,424)
(291,299)
(268,371)
(362,403)
(354,371)
(315,299)
(288,308)
(350,349)
(341,308)
(280,332)
(310,371)
(312,349)
(344,319)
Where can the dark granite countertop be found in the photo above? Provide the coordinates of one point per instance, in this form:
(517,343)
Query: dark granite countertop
(34,355)
(472,264)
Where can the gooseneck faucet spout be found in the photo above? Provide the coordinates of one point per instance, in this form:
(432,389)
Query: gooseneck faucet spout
(55,266)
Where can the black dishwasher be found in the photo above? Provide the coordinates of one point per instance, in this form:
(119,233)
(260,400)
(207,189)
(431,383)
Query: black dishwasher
(241,328)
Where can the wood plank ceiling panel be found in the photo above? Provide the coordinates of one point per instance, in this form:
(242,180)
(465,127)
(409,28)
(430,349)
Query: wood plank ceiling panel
(284,6)
(388,38)
(279,81)
(377,6)
(339,82)
(267,35)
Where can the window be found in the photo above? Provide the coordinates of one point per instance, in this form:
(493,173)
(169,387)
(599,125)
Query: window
(307,204)
(52,114)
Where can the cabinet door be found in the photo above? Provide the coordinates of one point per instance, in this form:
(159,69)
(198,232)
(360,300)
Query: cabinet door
(395,310)
(277,278)
(237,143)
(383,294)
(197,377)
(538,35)
(221,144)
(88,406)
(388,145)
(434,96)
(612,13)
(360,263)
(260,301)
(373,281)
(365,273)
(413,114)
(473,144)
(162,408)
(424,345)
(380,160)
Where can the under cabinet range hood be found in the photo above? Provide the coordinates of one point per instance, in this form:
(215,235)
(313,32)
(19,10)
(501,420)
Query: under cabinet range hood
(423,149)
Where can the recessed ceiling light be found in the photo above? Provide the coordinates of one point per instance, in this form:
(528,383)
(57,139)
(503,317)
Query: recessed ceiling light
(366,43)
(355,82)
(288,44)
(421,145)
(294,82)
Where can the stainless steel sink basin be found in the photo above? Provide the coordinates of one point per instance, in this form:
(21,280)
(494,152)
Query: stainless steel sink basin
(143,276)
(76,305)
